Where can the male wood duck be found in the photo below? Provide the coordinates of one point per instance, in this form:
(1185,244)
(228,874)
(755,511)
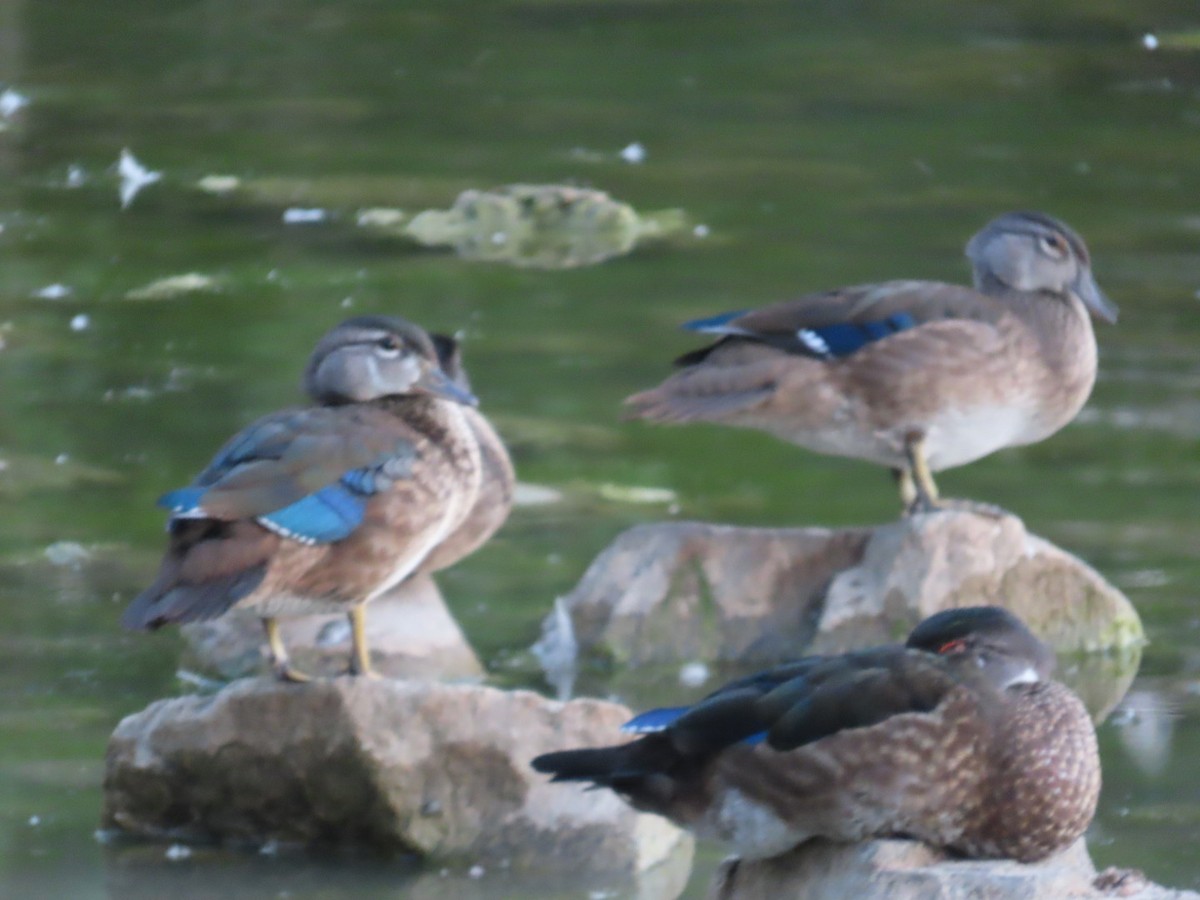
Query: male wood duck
(324,508)
(919,376)
(957,738)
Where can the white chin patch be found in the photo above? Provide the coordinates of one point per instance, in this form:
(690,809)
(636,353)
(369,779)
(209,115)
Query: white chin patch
(1027,675)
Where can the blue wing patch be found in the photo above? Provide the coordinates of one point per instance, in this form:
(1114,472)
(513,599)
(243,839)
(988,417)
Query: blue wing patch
(328,515)
(182,501)
(844,338)
(322,517)
(654,720)
(717,324)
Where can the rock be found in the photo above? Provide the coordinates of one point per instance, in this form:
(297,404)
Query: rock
(438,770)
(924,564)
(680,591)
(410,631)
(907,870)
(545,226)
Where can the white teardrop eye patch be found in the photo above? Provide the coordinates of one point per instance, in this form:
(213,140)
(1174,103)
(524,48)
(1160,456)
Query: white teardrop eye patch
(1053,245)
(388,347)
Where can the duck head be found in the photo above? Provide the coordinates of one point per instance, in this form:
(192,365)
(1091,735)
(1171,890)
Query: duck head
(369,357)
(1033,252)
(989,639)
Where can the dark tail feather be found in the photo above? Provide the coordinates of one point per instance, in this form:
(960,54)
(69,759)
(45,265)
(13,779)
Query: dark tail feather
(617,767)
(649,773)
(164,603)
(596,765)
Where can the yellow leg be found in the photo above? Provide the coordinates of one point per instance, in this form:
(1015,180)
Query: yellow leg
(917,474)
(280,663)
(908,490)
(360,659)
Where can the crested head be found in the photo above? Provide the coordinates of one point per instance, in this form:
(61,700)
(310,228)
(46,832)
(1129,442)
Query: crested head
(987,638)
(1035,253)
(369,357)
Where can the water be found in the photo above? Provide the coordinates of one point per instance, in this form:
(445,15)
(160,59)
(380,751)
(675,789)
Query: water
(822,144)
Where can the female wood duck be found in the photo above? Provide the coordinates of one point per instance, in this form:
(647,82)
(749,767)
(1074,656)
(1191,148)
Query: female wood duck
(324,508)
(958,738)
(495,499)
(919,376)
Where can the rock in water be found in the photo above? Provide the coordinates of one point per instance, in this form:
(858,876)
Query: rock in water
(416,767)
(679,591)
(907,870)
(411,633)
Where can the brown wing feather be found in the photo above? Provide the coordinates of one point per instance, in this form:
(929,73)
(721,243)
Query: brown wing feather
(209,566)
(312,449)
(924,301)
(737,376)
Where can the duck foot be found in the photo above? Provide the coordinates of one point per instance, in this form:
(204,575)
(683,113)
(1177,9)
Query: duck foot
(360,656)
(284,672)
(281,665)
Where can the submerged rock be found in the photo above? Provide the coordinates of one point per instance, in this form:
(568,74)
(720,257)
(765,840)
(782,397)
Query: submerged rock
(908,870)
(173,286)
(410,631)
(679,591)
(545,226)
(437,770)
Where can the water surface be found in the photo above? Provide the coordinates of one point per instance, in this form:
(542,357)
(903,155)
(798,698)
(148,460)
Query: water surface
(820,144)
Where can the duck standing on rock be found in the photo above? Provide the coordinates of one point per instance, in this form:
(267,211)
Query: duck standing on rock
(919,376)
(957,738)
(324,508)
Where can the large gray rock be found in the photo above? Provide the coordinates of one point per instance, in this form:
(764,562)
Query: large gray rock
(421,767)
(410,631)
(907,870)
(680,591)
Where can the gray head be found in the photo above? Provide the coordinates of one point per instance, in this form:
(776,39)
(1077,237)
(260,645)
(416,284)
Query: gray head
(1032,252)
(369,357)
(986,638)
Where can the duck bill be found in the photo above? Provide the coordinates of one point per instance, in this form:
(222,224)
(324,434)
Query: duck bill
(434,381)
(1093,298)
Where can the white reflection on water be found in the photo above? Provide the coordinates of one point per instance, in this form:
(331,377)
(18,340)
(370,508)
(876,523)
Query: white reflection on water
(1145,722)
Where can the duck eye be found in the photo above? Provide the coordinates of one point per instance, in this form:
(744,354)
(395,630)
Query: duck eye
(389,345)
(956,646)
(1054,245)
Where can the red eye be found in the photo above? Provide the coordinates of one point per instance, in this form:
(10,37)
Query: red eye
(955,646)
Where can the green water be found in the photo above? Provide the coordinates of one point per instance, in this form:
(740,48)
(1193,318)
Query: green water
(820,143)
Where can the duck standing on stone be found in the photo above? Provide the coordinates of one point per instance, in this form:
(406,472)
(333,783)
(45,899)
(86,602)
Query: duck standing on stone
(918,376)
(957,738)
(324,508)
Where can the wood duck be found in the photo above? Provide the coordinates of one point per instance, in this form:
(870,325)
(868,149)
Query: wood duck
(495,499)
(324,508)
(957,738)
(919,376)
